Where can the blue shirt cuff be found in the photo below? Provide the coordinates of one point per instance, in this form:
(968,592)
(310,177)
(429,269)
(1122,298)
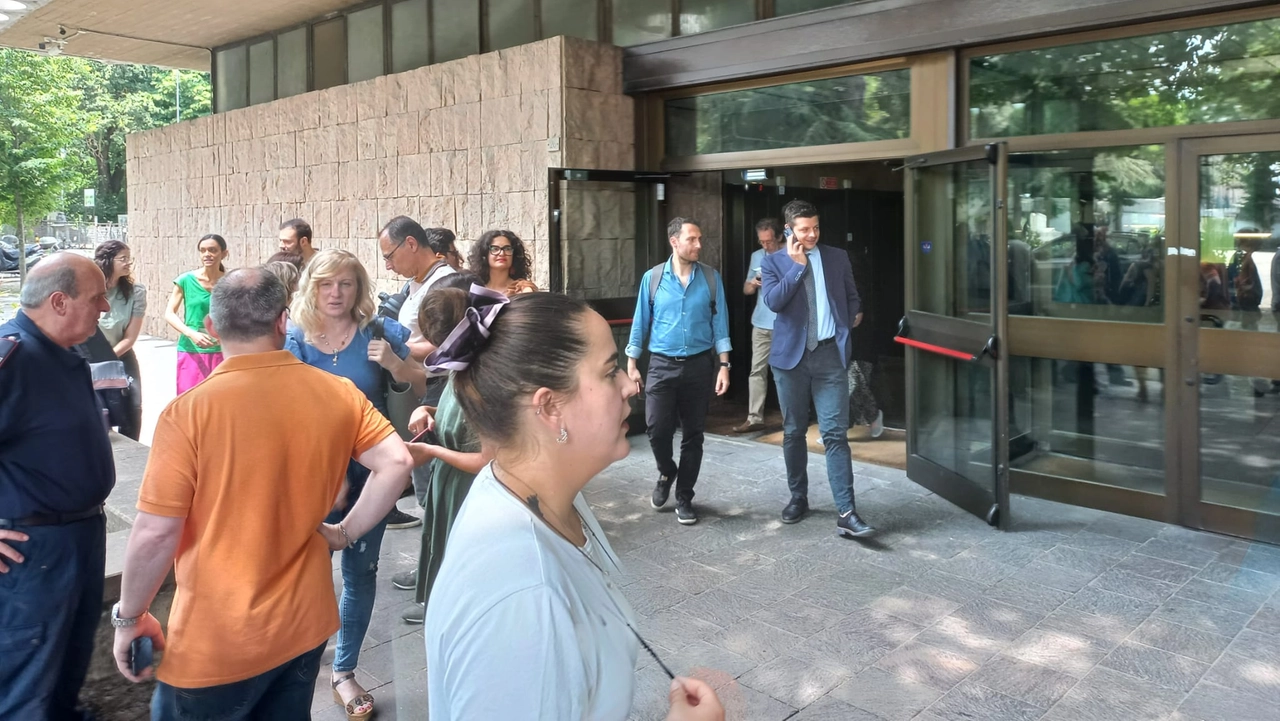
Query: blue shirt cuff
(723,346)
(634,351)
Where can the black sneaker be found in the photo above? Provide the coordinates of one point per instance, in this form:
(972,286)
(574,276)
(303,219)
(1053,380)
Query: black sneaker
(406,580)
(399,519)
(661,492)
(685,513)
(416,615)
(850,526)
(797,509)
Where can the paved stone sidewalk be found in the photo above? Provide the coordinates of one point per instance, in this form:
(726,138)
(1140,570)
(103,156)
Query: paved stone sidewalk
(1075,614)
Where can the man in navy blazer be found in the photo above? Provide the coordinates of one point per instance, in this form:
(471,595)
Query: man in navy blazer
(811,289)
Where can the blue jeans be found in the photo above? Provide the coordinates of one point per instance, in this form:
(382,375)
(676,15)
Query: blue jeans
(49,609)
(359,578)
(820,376)
(282,694)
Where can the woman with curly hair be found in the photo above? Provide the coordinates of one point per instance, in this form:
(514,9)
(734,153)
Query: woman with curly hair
(501,261)
(122,324)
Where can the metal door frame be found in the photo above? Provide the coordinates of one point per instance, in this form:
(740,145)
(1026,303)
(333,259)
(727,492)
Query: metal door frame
(966,337)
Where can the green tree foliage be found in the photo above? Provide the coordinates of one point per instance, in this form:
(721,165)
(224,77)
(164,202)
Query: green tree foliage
(40,128)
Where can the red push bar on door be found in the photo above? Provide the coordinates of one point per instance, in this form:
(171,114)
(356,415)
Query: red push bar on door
(940,350)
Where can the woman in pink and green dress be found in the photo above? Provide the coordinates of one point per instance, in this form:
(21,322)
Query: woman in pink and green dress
(198,351)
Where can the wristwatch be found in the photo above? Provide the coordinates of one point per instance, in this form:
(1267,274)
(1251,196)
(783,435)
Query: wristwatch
(118,622)
(726,364)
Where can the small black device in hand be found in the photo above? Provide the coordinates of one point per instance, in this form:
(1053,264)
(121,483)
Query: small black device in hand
(140,655)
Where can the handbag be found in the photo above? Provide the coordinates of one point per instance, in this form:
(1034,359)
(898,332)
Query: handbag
(401,402)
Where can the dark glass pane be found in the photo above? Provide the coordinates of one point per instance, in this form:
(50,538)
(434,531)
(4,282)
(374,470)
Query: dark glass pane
(329,51)
(788,7)
(578,18)
(409,46)
(291,63)
(1086,234)
(699,16)
(511,23)
(262,72)
(364,44)
(232,88)
(640,21)
(1206,75)
(852,109)
(1239,456)
(455,29)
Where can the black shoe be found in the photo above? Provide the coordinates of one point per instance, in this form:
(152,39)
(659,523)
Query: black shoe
(405,580)
(416,615)
(797,509)
(661,492)
(399,519)
(685,513)
(850,526)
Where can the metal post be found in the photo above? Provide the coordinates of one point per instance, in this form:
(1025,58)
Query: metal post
(177,94)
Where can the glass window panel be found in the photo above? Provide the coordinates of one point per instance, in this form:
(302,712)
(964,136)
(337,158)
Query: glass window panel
(410,47)
(1206,75)
(1088,421)
(640,21)
(851,109)
(578,18)
(330,53)
(1239,220)
(364,44)
(699,16)
(1239,456)
(1086,234)
(455,29)
(291,63)
(511,23)
(232,89)
(953,220)
(788,7)
(262,72)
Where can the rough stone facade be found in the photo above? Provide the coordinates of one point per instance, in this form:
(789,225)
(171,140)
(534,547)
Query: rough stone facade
(465,144)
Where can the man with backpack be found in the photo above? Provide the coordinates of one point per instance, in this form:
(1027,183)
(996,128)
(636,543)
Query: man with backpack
(681,319)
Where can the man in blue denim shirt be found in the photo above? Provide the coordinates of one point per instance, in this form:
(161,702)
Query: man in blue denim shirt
(684,330)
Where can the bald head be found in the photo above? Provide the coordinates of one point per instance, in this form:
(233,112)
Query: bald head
(65,295)
(247,305)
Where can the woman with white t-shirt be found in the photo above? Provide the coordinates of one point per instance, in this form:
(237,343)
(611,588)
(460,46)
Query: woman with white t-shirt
(526,620)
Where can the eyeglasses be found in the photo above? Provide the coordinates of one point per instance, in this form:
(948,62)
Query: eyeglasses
(501,250)
(387,258)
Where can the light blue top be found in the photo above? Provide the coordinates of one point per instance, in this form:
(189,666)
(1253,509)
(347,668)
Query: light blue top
(761,317)
(353,361)
(682,321)
(826,320)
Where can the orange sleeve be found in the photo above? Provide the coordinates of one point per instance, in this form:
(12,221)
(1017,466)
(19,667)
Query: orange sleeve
(372,428)
(169,483)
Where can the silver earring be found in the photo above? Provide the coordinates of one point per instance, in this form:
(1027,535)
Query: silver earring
(538,412)
(564,435)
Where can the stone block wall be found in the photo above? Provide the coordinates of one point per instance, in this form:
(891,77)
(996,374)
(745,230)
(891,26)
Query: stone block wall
(700,196)
(465,144)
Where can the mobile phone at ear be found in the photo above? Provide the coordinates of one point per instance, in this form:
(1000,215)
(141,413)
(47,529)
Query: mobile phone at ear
(786,232)
(140,655)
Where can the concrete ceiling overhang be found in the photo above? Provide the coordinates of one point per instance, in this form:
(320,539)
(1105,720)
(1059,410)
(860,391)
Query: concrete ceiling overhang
(169,33)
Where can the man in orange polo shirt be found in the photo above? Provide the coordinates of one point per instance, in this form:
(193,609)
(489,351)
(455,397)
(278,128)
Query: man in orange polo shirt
(243,471)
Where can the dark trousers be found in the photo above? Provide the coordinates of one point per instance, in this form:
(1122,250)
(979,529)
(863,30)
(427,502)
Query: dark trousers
(282,694)
(49,610)
(678,393)
(131,427)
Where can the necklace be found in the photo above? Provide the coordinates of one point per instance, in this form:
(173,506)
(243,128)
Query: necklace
(536,509)
(336,349)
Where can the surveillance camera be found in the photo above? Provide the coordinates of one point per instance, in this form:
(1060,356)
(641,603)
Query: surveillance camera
(62,30)
(43,47)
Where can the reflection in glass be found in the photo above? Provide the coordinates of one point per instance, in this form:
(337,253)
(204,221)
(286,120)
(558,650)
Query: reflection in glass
(1086,421)
(699,16)
(1204,75)
(850,109)
(788,7)
(232,78)
(330,53)
(455,29)
(576,18)
(291,63)
(409,46)
(953,425)
(1239,455)
(364,44)
(640,21)
(262,72)
(1239,220)
(1086,234)
(953,233)
(511,23)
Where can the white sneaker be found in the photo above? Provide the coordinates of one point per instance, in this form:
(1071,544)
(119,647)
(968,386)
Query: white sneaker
(877,426)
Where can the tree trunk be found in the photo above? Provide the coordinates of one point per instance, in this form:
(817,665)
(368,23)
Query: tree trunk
(22,241)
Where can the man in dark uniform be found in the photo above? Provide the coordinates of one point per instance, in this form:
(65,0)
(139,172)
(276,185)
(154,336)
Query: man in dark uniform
(56,470)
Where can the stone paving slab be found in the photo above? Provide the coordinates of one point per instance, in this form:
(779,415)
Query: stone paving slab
(1072,614)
